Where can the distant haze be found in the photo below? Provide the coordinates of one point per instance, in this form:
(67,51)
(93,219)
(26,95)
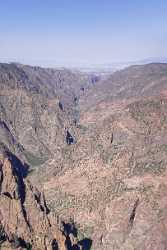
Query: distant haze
(75,33)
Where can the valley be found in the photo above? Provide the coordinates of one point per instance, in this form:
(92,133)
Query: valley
(95,146)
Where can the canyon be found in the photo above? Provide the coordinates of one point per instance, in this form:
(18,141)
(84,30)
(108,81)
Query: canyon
(95,147)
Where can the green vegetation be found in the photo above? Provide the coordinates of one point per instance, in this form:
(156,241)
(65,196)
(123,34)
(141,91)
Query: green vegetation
(67,153)
(84,231)
(83,129)
(34,160)
(154,167)
(163,148)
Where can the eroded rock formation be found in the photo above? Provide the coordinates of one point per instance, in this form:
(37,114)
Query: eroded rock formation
(25,220)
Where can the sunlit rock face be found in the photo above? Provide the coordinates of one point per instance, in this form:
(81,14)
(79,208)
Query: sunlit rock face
(25,220)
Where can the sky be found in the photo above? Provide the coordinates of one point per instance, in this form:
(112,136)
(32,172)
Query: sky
(82,32)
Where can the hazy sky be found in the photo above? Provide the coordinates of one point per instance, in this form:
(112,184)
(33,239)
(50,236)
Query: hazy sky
(82,32)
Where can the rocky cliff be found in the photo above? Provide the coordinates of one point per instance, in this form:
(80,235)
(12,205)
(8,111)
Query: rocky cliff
(25,220)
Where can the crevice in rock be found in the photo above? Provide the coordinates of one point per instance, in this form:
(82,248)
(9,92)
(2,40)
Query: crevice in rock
(75,100)
(20,168)
(71,233)
(55,245)
(18,242)
(133,213)
(69,138)
(3,125)
(1,177)
(43,206)
(61,106)
(111,138)
(86,244)
(7,194)
(3,236)
(25,217)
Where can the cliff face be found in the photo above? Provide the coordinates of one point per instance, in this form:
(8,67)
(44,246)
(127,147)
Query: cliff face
(25,220)
(36,107)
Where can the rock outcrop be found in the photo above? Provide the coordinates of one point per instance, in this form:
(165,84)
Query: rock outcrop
(25,220)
